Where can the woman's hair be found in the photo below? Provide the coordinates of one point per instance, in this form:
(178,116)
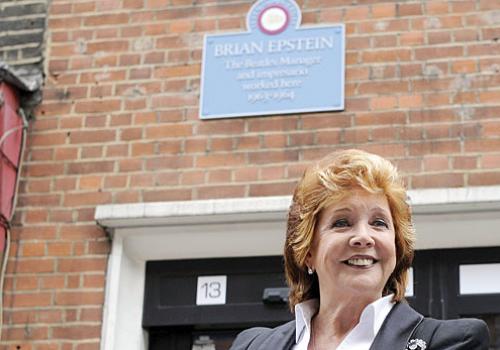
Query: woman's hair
(329,180)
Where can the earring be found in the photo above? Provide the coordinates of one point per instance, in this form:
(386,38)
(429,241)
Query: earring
(310,270)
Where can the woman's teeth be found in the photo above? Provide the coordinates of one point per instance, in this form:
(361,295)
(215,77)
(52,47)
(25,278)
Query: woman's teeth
(360,262)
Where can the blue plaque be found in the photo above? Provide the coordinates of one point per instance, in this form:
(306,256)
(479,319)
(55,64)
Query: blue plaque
(275,67)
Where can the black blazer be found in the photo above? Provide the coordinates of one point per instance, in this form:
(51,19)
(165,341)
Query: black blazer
(395,334)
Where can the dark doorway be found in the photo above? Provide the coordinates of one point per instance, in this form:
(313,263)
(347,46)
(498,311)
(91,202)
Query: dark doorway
(174,320)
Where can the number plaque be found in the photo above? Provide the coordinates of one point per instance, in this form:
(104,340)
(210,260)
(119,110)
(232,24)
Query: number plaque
(211,290)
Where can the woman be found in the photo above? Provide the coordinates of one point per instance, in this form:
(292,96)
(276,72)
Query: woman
(348,248)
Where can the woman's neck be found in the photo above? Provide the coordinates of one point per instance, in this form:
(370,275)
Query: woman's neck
(336,317)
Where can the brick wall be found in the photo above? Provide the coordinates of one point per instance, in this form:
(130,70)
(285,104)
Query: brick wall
(119,124)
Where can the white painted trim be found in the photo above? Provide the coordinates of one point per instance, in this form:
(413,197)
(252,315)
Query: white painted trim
(168,213)
(444,218)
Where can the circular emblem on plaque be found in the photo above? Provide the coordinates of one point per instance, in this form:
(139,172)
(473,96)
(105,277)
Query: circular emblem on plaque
(273,19)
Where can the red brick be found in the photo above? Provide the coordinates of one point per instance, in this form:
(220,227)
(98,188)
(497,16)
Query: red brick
(59,249)
(82,265)
(177,130)
(246,142)
(167,195)
(91,198)
(321,121)
(352,136)
(385,102)
(489,96)
(435,147)
(274,141)
(490,161)
(219,176)
(79,298)
(33,266)
(98,106)
(191,177)
(380,10)
(409,9)
(464,66)
(169,178)
(115,181)
(90,182)
(90,167)
(36,216)
(169,162)
(464,162)
(385,149)
(33,232)
(484,179)
(26,283)
(462,6)
(220,160)
(433,116)
(76,332)
(232,191)
(175,71)
(409,165)
(379,118)
(106,19)
(66,153)
(33,249)
(220,127)
(272,173)
(302,139)
(19,334)
(267,157)
(18,300)
(117,151)
(99,247)
(436,163)
(386,55)
(142,180)
(438,180)
(126,197)
(271,189)
(487,145)
(39,200)
(79,232)
(91,152)
(45,169)
(221,144)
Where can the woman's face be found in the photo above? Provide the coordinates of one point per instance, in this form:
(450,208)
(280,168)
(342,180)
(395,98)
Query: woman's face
(353,250)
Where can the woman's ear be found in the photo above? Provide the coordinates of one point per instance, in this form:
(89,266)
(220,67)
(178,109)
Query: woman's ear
(309,260)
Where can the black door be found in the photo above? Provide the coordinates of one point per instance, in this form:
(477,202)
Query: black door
(254,296)
(445,289)
(174,320)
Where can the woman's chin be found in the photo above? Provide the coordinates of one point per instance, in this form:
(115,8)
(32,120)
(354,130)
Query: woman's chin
(363,288)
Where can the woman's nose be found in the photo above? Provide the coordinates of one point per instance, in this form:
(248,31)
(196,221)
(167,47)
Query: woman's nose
(361,238)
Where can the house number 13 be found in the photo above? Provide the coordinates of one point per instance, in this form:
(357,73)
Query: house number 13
(211,290)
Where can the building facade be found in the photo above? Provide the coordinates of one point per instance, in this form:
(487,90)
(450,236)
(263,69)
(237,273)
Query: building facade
(121,178)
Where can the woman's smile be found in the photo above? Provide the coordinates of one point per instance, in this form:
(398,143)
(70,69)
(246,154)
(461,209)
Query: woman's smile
(360,261)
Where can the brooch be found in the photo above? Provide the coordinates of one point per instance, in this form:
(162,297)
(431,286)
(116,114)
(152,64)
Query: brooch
(416,344)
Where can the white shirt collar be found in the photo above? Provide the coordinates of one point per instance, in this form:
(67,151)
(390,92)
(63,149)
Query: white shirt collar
(373,314)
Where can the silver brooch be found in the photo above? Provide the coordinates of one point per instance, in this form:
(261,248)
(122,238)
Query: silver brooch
(416,344)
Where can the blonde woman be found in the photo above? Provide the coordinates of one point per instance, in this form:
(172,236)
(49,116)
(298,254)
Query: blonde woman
(348,248)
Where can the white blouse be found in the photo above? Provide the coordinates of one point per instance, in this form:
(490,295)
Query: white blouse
(359,338)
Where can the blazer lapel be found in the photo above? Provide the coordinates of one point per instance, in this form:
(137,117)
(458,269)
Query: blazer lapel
(397,328)
(281,338)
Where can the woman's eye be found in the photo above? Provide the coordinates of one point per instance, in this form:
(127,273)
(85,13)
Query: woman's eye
(341,223)
(380,223)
